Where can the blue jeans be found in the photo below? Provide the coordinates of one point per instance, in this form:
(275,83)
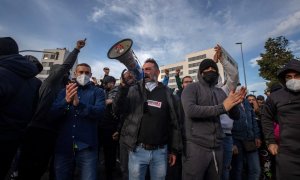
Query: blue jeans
(252,160)
(85,160)
(227,156)
(140,159)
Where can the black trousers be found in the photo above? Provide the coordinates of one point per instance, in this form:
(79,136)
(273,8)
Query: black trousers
(7,152)
(287,166)
(36,151)
(109,150)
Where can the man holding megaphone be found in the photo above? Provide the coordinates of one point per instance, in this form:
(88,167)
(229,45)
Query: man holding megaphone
(150,130)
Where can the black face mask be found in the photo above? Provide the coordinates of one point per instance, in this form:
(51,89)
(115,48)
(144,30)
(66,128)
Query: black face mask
(211,77)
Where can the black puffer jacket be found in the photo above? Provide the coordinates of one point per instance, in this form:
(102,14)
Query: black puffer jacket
(18,94)
(129,103)
(286,105)
(49,91)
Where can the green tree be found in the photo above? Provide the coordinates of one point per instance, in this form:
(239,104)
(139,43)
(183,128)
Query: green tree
(276,55)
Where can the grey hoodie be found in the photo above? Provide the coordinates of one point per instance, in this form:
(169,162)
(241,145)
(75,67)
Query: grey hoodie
(203,105)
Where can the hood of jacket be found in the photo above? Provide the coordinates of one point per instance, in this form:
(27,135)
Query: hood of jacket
(19,65)
(201,80)
(293,65)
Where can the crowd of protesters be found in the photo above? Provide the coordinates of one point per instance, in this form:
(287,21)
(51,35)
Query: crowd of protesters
(208,128)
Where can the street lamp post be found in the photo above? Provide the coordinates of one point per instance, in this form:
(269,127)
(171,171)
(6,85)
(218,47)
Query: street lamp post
(240,43)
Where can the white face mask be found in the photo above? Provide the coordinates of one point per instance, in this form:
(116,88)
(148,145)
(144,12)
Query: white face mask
(83,79)
(150,85)
(293,85)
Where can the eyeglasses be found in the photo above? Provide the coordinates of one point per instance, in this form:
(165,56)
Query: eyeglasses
(106,69)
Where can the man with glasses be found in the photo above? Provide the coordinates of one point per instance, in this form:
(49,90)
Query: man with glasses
(285,104)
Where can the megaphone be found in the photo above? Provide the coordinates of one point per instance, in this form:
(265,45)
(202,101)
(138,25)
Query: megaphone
(122,51)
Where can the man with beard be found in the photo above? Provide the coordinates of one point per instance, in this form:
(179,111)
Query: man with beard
(150,130)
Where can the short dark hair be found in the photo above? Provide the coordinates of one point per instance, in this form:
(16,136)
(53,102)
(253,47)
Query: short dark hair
(250,95)
(151,60)
(186,77)
(83,64)
(105,68)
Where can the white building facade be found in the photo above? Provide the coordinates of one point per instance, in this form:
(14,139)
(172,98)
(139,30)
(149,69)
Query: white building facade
(51,57)
(190,66)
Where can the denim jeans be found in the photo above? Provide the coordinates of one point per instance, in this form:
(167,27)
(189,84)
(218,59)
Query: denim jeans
(227,156)
(252,161)
(141,159)
(84,160)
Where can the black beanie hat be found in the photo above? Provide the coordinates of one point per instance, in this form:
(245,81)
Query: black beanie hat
(109,79)
(8,46)
(206,63)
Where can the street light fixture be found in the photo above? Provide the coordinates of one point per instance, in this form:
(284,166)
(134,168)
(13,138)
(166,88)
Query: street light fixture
(253,92)
(240,43)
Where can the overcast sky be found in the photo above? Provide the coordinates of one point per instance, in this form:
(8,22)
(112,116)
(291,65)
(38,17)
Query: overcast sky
(166,30)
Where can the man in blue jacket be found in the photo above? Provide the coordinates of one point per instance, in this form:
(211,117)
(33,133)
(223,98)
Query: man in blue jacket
(18,91)
(79,107)
(246,140)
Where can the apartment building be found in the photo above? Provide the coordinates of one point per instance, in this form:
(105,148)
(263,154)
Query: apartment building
(190,66)
(51,57)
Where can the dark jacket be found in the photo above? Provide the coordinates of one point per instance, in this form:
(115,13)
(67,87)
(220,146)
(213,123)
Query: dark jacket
(286,105)
(246,127)
(49,91)
(18,94)
(78,123)
(130,104)
(203,104)
(110,120)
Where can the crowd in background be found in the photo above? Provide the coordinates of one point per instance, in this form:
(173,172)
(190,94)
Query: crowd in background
(206,128)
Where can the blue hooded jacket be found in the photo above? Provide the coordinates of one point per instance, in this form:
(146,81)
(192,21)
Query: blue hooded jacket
(246,127)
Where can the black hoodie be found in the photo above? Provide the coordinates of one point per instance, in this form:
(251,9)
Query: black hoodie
(18,92)
(286,105)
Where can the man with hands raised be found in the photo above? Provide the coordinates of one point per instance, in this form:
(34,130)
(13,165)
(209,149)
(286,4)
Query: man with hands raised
(203,103)
(78,108)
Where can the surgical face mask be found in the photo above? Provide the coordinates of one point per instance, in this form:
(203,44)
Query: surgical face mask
(293,85)
(83,79)
(150,85)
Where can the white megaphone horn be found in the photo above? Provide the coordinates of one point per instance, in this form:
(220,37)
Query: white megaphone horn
(122,51)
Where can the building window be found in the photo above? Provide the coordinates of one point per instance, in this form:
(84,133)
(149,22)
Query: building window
(193,71)
(172,80)
(45,72)
(194,65)
(197,58)
(46,56)
(52,56)
(172,69)
(45,64)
